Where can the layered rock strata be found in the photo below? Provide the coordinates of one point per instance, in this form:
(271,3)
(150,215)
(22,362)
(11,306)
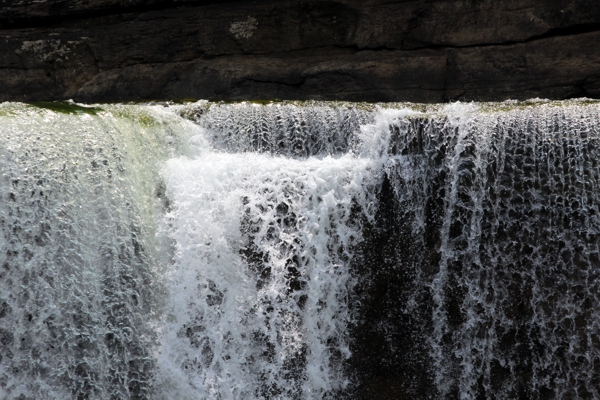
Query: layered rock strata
(374,50)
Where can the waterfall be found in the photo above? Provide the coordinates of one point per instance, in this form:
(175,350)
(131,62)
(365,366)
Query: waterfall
(304,250)
(79,277)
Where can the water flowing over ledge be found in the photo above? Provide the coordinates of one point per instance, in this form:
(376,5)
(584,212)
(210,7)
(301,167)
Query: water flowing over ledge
(300,250)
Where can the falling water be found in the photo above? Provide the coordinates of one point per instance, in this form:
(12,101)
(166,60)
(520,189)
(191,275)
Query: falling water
(300,251)
(79,274)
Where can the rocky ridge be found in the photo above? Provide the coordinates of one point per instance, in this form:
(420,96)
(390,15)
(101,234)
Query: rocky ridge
(374,50)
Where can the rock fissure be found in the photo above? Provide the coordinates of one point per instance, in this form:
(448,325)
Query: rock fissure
(294,85)
(28,18)
(552,33)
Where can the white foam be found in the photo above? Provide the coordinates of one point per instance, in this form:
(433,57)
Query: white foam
(237,337)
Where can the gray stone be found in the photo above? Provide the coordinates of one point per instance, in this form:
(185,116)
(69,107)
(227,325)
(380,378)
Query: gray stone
(375,50)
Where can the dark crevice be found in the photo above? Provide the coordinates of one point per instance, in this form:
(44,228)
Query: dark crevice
(566,31)
(351,49)
(294,85)
(16,22)
(165,86)
(555,32)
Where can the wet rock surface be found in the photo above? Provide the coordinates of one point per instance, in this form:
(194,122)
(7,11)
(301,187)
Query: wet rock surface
(422,51)
(504,231)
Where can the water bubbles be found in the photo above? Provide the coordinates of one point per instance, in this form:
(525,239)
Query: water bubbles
(270,291)
(300,251)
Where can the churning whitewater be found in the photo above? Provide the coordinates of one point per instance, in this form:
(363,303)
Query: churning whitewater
(300,251)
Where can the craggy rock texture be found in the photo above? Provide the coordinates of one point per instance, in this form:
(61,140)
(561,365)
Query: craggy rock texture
(373,50)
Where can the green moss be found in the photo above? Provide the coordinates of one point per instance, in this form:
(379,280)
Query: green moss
(64,107)
(507,106)
(135,114)
(7,112)
(425,110)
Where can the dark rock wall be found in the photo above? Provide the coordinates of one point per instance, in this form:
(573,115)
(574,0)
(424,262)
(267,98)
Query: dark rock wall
(373,50)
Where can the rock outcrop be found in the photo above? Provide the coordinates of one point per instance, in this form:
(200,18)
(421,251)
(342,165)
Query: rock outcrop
(373,50)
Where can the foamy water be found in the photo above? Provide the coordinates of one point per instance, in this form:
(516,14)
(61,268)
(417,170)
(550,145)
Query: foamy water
(300,251)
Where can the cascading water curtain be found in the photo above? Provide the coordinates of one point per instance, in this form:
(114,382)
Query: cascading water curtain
(300,251)
(263,233)
(78,269)
(502,209)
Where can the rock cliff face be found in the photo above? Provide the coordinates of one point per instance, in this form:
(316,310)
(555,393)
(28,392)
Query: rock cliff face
(363,50)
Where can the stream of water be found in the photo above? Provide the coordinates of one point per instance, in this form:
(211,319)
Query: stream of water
(300,251)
